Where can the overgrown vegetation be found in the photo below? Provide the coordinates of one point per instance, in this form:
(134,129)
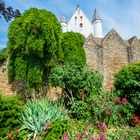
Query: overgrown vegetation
(10,114)
(78,84)
(127,85)
(34,47)
(39,54)
(84,98)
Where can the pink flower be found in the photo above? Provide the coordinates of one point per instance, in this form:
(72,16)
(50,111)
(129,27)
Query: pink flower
(102,136)
(118,100)
(79,136)
(87,133)
(96,138)
(65,136)
(103,127)
(124,100)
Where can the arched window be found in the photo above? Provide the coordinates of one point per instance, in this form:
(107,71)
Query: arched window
(81,25)
(75,18)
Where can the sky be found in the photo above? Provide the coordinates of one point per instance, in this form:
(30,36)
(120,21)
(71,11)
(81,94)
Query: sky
(122,15)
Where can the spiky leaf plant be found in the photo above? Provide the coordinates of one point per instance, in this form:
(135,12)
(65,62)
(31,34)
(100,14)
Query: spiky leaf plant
(37,113)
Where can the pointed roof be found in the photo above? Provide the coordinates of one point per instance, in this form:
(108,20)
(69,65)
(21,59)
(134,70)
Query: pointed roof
(78,7)
(63,19)
(112,34)
(95,16)
(132,40)
(91,39)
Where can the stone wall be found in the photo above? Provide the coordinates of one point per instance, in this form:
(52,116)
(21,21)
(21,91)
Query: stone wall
(5,88)
(109,54)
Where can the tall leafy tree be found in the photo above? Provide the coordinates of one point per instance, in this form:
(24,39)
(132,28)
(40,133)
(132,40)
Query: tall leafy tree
(72,45)
(33,46)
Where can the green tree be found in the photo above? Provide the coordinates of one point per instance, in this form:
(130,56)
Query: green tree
(72,45)
(76,81)
(34,47)
(127,84)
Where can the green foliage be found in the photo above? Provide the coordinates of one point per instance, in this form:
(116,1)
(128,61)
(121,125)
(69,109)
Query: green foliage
(80,110)
(76,79)
(33,46)
(124,133)
(3,55)
(79,84)
(72,45)
(39,112)
(127,84)
(110,109)
(15,135)
(57,129)
(10,114)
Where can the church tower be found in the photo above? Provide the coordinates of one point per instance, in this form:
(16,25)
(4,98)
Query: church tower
(97,25)
(80,23)
(63,23)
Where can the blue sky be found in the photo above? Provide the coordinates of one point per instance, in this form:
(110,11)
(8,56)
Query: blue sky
(122,15)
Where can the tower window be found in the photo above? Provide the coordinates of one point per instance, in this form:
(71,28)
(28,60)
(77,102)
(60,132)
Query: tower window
(81,25)
(81,18)
(75,18)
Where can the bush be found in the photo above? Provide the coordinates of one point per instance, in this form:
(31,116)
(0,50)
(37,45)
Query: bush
(72,45)
(127,84)
(79,84)
(38,113)
(80,110)
(111,110)
(57,129)
(10,114)
(76,81)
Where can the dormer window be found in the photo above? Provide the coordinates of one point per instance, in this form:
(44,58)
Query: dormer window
(81,25)
(75,18)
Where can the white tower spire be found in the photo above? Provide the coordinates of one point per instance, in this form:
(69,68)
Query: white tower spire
(63,23)
(97,25)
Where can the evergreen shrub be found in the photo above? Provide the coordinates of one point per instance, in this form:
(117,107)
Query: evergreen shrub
(127,84)
(10,114)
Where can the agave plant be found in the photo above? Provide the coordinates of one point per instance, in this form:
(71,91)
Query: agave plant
(39,112)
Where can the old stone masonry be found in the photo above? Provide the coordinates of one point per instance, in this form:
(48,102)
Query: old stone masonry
(109,54)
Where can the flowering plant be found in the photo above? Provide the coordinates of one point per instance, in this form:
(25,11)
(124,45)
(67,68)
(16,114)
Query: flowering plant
(16,135)
(111,109)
